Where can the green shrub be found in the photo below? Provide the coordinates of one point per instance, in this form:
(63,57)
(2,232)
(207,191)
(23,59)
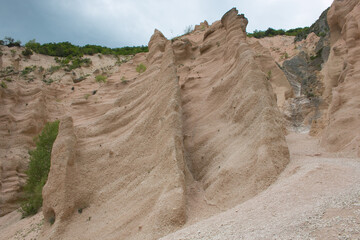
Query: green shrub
(79,62)
(53,69)
(48,81)
(269,75)
(3,84)
(318,55)
(65,49)
(7,70)
(123,80)
(28,70)
(309,93)
(270,32)
(100,78)
(39,167)
(140,68)
(10,42)
(81,78)
(70,63)
(27,52)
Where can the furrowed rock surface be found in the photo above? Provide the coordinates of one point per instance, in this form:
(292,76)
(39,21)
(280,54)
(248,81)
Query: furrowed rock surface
(223,136)
(233,133)
(126,172)
(24,112)
(27,103)
(342,86)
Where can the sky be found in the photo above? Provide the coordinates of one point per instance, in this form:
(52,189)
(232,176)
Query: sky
(118,23)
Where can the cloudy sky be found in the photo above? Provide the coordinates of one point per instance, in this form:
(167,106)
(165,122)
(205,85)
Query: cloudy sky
(117,23)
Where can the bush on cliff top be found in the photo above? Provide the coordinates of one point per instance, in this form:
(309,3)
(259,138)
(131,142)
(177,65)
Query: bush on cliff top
(65,49)
(39,168)
(270,32)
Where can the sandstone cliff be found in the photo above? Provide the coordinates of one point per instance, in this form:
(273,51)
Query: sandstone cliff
(341,72)
(136,163)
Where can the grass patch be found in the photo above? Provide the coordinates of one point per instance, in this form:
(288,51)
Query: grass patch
(8,70)
(41,69)
(285,56)
(48,81)
(70,63)
(13,52)
(81,78)
(123,80)
(3,84)
(28,70)
(53,69)
(39,167)
(269,75)
(318,55)
(140,68)
(100,78)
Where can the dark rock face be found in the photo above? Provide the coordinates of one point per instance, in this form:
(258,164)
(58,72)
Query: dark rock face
(302,72)
(320,27)
(296,70)
(302,69)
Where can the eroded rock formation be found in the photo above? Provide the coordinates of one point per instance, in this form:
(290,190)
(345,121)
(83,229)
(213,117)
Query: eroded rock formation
(203,114)
(342,71)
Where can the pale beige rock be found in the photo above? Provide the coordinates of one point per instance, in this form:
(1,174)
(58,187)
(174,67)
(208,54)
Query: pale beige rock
(274,74)
(224,152)
(202,26)
(23,114)
(342,86)
(127,175)
(280,47)
(26,104)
